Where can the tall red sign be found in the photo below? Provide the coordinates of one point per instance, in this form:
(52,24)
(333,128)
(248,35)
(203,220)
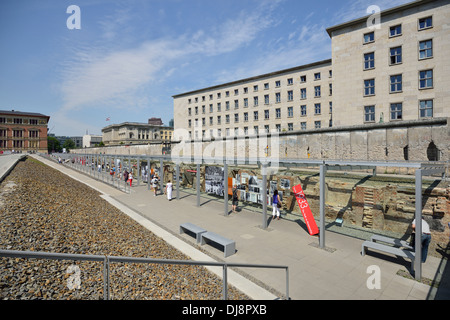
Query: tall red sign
(306,210)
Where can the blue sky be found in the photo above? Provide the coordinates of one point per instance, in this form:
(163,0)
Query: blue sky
(131,56)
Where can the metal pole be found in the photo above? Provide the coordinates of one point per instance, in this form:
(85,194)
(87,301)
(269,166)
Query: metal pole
(287,283)
(225,188)
(322,207)
(418,216)
(138,170)
(148,173)
(198,185)
(225,282)
(178,180)
(161,174)
(264,195)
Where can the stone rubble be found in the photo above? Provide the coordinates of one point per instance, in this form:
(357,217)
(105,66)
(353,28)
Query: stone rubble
(41,209)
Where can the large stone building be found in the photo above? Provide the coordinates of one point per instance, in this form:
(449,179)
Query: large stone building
(136,133)
(23,131)
(383,91)
(394,71)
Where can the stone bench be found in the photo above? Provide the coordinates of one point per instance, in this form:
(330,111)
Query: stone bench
(228,245)
(392,249)
(198,231)
(395,242)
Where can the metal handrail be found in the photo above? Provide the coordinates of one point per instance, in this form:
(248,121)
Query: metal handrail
(110,259)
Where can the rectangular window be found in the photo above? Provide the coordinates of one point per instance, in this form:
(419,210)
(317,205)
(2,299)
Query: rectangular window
(290,127)
(189,112)
(219,119)
(267,128)
(395,31)
(266,86)
(278,83)
(278,113)
(317,76)
(426,79)
(227,119)
(203,109)
(256,129)
(303,111)
(290,112)
(425,23)
(211,108)
(369,61)
(246,117)
(369,37)
(426,108)
(317,108)
(303,125)
(266,99)
(278,127)
(317,124)
(396,111)
(369,87)
(255,88)
(396,83)
(302,79)
(236,104)
(395,55)
(246,130)
(255,115)
(277,97)
(369,114)
(255,101)
(317,92)
(236,117)
(290,81)
(211,121)
(425,49)
(303,93)
(236,92)
(227,105)
(266,115)
(245,102)
(290,95)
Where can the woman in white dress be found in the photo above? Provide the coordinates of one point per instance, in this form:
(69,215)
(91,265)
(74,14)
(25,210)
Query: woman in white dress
(169,190)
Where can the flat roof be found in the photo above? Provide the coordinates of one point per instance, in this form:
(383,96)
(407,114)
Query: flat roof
(384,12)
(136,124)
(233,83)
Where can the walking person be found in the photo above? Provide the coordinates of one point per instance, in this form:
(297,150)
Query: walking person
(155,184)
(130,178)
(169,188)
(235,199)
(276,204)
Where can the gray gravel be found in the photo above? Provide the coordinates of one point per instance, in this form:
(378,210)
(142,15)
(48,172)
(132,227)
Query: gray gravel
(41,209)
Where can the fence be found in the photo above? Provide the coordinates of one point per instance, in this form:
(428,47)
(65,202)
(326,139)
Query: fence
(107,260)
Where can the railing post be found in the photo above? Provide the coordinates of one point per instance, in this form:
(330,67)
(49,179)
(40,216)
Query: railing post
(106,278)
(225,282)
(287,283)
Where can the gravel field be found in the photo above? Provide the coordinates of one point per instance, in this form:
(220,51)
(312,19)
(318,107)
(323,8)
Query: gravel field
(42,209)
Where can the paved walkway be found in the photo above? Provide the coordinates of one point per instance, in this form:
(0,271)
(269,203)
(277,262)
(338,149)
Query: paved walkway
(338,273)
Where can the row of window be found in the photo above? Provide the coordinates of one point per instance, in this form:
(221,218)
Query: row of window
(290,97)
(19,133)
(18,121)
(396,31)
(396,111)
(18,144)
(290,114)
(290,81)
(396,55)
(396,83)
(245,131)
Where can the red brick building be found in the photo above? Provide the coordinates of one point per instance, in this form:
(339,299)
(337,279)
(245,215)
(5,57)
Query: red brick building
(23,131)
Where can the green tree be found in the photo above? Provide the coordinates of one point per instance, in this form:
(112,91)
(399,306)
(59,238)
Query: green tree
(69,144)
(53,145)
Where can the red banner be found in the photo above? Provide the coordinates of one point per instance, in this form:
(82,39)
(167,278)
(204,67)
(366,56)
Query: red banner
(306,210)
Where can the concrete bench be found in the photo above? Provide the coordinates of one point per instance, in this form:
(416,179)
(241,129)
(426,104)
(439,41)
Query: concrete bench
(395,242)
(198,231)
(228,245)
(405,253)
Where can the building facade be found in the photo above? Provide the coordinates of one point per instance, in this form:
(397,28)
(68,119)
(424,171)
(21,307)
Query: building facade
(287,100)
(136,133)
(23,131)
(392,72)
